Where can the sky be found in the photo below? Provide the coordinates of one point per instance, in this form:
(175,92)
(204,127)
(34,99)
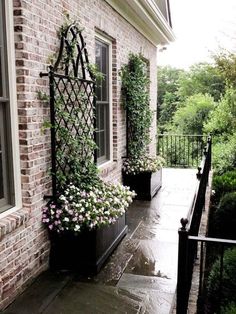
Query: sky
(201,27)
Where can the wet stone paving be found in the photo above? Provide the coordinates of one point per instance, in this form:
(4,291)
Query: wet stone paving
(139,277)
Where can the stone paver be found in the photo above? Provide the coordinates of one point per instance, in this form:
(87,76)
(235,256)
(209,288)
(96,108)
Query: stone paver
(139,277)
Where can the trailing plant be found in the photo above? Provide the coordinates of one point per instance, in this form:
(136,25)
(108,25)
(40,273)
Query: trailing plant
(135,86)
(92,208)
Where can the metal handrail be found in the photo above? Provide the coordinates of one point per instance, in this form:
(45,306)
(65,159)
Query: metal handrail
(190,227)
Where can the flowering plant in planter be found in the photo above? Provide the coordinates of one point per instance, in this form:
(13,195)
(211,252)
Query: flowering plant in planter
(150,164)
(85,216)
(78,209)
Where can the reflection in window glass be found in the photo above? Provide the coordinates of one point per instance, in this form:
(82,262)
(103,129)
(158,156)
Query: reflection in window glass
(6,178)
(1,78)
(102,103)
(1,49)
(1,174)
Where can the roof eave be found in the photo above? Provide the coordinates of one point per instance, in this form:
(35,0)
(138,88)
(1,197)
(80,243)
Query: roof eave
(146,17)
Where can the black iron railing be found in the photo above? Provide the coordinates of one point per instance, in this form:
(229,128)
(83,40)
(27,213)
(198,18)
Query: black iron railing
(188,255)
(182,151)
(190,227)
(220,246)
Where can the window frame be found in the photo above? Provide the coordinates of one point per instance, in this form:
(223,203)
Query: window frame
(104,160)
(9,113)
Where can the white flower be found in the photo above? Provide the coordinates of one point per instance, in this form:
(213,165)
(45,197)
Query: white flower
(77,228)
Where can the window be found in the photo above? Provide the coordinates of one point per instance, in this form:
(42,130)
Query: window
(8,126)
(103,109)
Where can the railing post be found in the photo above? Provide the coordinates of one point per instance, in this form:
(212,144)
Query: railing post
(209,141)
(182,280)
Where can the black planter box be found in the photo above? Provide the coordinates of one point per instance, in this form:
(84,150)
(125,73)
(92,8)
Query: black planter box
(87,251)
(145,184)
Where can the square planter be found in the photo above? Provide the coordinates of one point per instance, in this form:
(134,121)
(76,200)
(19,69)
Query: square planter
(145,184)
(87,251)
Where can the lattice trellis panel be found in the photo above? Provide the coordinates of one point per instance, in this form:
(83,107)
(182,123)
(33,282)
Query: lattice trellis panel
(72,105)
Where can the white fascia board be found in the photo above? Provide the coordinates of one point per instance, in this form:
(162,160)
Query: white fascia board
(146,17)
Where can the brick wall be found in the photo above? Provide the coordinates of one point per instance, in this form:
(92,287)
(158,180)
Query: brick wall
(23,240)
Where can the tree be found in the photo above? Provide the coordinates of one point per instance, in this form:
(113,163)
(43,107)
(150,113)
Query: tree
(226,64)
(223,118)
(168,99)
(202,78)
(167,110)
(168,82)
(190,117)
(222,125)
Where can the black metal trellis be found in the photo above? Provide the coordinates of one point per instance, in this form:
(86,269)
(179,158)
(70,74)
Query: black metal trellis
(72,106)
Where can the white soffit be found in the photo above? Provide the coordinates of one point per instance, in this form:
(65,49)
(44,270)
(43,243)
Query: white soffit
(146,17)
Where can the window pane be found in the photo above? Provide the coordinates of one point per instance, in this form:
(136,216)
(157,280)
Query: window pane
(102,118)
(104,89)
(2,159)
(104,49)
(1,78)
(99,66)
(6,176)
(102,62)
(1,174)
(1,49)
(101,151)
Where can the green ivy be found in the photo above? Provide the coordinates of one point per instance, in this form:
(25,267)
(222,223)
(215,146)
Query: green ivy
(135,86)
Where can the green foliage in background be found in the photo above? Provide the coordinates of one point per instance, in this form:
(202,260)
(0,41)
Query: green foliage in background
(222,120)
(202,78)
(168,82)
(168,98)
(222,125)
(190,117)
(202,100)
(225,62)
(222,184)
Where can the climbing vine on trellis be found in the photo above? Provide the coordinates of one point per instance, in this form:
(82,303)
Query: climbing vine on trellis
(72,106)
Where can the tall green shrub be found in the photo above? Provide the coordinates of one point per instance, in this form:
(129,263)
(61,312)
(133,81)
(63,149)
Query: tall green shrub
(225,217)
(223,184)
(227,292)
(229,309)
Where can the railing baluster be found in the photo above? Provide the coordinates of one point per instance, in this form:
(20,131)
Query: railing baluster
(175,149)
(181,150)
(182,293)
(168,150)
(221,272)
(201,270)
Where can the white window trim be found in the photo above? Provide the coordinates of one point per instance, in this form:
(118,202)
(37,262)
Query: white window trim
(13,108)
(107,41)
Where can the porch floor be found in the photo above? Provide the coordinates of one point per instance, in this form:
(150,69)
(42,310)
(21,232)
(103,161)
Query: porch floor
(140,276)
